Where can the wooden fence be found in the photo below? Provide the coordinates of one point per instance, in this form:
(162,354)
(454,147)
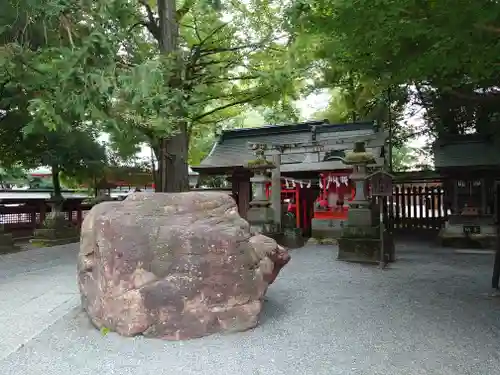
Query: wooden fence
(410,210)
(22,217)
(415,209)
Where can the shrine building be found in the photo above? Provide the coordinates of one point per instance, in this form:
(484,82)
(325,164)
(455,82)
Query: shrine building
(315,184)
(469,165)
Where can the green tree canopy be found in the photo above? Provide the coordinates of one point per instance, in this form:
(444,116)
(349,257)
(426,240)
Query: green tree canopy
(444,52)
(106,62)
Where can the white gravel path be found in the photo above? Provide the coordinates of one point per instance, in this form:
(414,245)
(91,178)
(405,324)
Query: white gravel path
(428,314)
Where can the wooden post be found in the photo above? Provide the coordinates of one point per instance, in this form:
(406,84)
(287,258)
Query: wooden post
(495,279)
(276,189)
(455,209)
(483,196)
(297,206)
(381,187)
(244,191)
(381,213)
(389,121)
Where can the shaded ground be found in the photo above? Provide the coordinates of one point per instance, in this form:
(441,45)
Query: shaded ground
(428,314)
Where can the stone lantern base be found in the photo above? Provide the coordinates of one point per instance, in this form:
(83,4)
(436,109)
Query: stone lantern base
(261,218)
(56,230)
(7,244)
(362,245)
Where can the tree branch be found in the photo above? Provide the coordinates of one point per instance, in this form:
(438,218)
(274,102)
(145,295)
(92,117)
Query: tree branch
(182,11)
(494,29)
(26,63)
(423,102)
(212,33)
(149,11)
(229,79)
(475,96)
(211,123)
(140,23)
(213,51)
(229,105)
(2,89)
(203,64)
(152,24)
(195,28)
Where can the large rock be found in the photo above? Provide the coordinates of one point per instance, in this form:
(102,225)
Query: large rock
(174,266)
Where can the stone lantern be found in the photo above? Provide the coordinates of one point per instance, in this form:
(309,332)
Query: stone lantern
(359,209)
(56,229)
(360,240)
(260,214)
(194,178)
(7,244)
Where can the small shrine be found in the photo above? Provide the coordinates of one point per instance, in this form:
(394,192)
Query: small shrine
(470,166)
(337,191)
(315,188)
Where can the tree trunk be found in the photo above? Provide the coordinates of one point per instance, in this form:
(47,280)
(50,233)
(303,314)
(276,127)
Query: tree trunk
(168,26)
(173,151)
(389,120)
(153,167)
(176,162)
(56,182)
(57,198)
(172,159)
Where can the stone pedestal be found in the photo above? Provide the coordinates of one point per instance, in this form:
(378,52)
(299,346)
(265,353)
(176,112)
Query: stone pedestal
(360,217)
(482,233)
(363,245)
(261,219)
(360,239)
(56,230)
(292,238)
(7,244)
(326,230)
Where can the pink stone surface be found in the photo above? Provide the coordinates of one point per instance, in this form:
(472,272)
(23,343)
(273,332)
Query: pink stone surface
(174,266)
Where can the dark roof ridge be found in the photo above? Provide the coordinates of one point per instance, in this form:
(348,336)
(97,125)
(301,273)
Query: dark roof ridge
(321,126)
(452,139)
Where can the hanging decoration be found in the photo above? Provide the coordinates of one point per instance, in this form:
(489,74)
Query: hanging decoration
(335,191)
(330,181)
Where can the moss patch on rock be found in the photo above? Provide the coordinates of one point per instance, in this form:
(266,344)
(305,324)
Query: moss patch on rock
(259,163)
(352,157)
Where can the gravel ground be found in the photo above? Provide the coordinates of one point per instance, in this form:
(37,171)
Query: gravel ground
(37,288)
(427,314)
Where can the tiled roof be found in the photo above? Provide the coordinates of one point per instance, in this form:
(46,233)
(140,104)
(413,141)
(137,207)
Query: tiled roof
(466,151)
(231,150)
